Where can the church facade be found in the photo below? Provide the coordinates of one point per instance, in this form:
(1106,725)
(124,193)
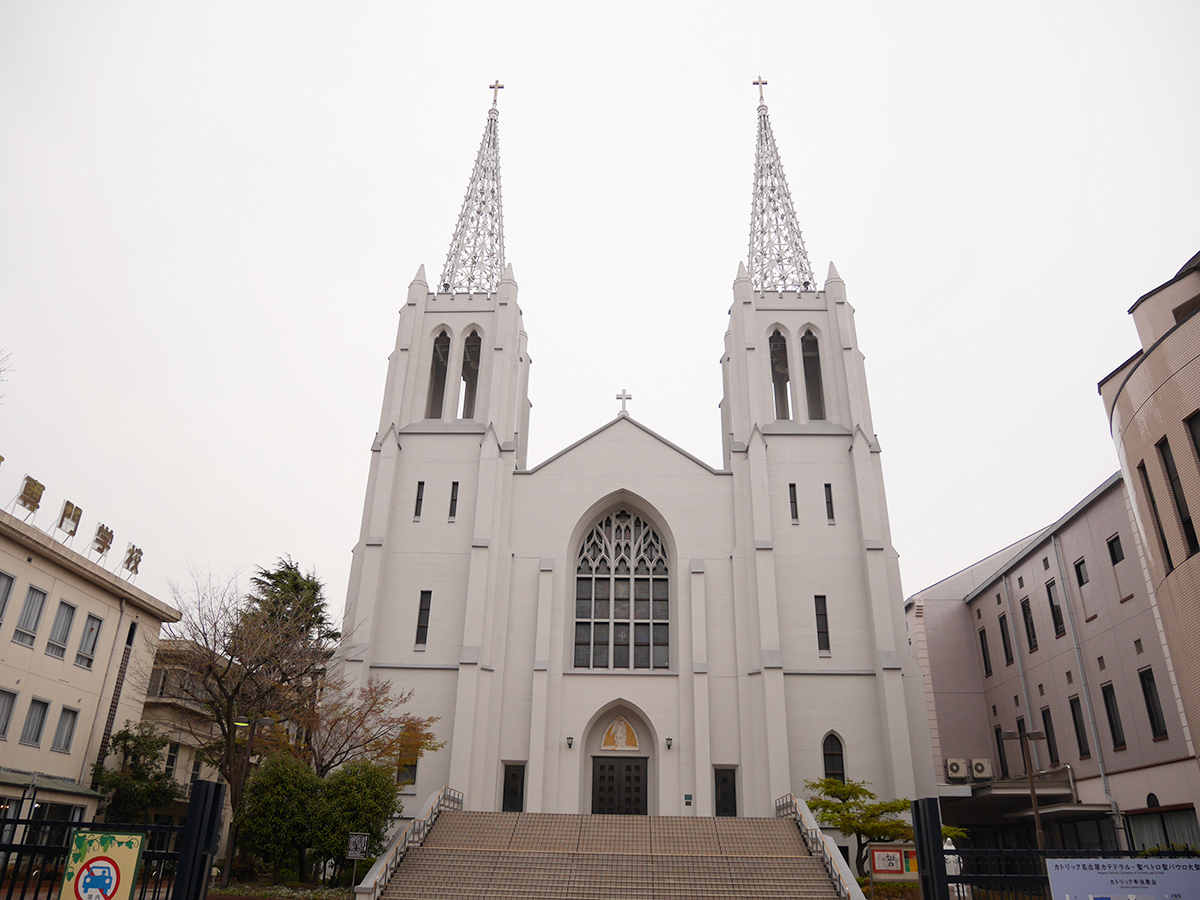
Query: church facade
(622,628)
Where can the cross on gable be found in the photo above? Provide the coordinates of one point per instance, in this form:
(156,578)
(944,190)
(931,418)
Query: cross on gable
(623,396)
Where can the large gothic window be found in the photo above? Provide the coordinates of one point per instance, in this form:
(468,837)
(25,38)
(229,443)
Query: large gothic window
(622,596)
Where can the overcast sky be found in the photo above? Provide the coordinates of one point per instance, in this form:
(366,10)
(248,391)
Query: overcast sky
(210,213)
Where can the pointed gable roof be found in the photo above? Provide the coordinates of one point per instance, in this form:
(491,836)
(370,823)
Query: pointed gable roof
(625,417)
(778,260)
(476,258)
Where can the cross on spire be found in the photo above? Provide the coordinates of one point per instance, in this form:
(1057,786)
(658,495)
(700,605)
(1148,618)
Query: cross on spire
(623,396)
(759,84)
(476,258)
(495,86)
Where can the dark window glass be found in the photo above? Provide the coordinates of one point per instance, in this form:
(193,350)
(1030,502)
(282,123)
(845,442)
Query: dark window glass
(1081,575)
(835,766)
(987,654)
(795,506)
(1114,716)
(1006,640)
(1030,631)
(1051,741)
(1185,517)
(420,499)
(779,375)
(1000,754)
(437,376)
(829,502)
(822,623)
(1056,613)
(812,376)
(423,617)
(1080,728)
(1158,724)
(1115,553)
(1162,537)
(453,499)
(1019,748)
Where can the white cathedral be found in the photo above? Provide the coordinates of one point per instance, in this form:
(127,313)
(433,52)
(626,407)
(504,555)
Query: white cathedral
(623,628)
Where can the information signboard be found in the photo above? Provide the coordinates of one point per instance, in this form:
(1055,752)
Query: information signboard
(893,862)
(357,845)
(103,865)
(1124,879)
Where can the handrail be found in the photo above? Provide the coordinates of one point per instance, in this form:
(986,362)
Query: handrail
(411,835)
(820,844)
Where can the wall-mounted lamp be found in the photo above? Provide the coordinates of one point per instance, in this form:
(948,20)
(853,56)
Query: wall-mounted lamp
(570,741)
(669,742)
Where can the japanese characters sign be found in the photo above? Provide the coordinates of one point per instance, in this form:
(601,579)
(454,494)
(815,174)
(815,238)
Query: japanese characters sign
(1127,879)
(103,866)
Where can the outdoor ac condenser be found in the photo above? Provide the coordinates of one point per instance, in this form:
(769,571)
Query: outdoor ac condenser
(981,769)
(956,769)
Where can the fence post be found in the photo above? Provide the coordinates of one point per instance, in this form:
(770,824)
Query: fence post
(931,860)
(201,834)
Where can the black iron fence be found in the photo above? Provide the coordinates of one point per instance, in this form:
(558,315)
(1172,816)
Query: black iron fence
(33,856)
(1009,874)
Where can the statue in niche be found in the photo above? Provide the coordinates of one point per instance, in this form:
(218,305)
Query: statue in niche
(620,736)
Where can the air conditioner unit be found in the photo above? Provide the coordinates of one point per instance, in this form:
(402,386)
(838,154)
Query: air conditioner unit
(981,769)
(956,769)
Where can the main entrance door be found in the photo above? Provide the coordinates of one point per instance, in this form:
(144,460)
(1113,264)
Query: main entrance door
(619,786)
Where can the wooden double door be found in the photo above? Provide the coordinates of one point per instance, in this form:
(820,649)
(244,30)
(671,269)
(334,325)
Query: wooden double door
(619,786)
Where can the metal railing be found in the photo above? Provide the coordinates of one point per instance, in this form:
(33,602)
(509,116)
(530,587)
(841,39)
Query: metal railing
(410,836)
(820,845)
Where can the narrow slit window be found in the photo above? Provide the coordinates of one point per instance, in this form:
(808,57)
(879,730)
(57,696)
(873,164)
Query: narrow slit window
(1181,506)
(470,374)
(1000,754)
(1158,724)
(1006,640)
(1080,724)
(31,617)
(1115,552)
(453,500)
(829,502)
(420,500)
(6,583)
(987,653)
(437,376)
(56,644)
(1081,575)
(1051,741)
(1030,630)
(780,375)
(812,376)
(423,618)
(835,761)
(1114,716)
(795,505)
(822,624)
(1056,613)
(1162,537)
(1193,424)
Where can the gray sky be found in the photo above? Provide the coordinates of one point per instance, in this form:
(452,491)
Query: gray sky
(210,213)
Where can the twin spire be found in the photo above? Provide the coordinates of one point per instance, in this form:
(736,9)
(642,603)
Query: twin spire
(777,259)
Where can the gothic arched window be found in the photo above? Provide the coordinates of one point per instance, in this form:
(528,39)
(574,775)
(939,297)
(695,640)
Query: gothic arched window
(470,374)
(835,765)
(779,374)
(437,376)
(622,596)
(811,355)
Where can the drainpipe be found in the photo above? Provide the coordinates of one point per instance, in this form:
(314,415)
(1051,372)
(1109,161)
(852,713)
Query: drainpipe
(1118,824)
(1031,725)
(108,674)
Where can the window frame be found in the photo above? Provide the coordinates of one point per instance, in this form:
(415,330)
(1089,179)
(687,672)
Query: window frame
(836,755)
(85,656)
(1056,611)
(56,644)
(6,715)
(1006,639)
(25,628)
(1115,729)
(1158,720)
(41,726)
(57,743)
(1051,740)
(987,653)
(1030,628)
(424,605)
(6,585)
(821,608)
(1116,553)
(1080,723)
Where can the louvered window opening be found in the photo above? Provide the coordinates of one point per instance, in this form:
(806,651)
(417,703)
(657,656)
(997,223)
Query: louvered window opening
(622,597)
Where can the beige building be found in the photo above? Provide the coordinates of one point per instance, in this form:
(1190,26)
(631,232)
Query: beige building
(1153,405)
(623,627)
(1059,633)
(76,643)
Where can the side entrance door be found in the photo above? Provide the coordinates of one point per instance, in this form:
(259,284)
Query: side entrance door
(726,793)
(619,786)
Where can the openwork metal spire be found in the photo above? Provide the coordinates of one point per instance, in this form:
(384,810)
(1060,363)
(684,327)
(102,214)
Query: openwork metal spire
(778,260)
(476,258)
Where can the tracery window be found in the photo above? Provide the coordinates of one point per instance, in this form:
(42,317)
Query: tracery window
(622,596)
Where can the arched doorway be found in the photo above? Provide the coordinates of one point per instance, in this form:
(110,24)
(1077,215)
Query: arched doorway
(620,746)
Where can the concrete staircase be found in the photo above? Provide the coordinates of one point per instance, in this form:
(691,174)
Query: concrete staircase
(534,856)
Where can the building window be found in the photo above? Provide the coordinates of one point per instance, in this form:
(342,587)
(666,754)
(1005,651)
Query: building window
(423,617)
(197,767)
(56,644)
(172,759)
(987,654)
(87,644)
(829,502)
(1051,741)
(1080,723)
(1020,581)
(453,500)
(835,764)
(1081,575)
(406,777)
(794,504)
(822,625)
(470,374)
(622,596)
(1006,640)
(35,721)
(1056,614)
(65,732)
(1045,563)
(811,354)
(8,700)
(1115,553)
(31,617)
(437,376)
(1030,631)
(1158,529)
(1137,646)
(779,374)
(1100,662)
(420,500)
(1185,517)
(6,583)
(1000,754)
(1158,724)
(1114,716)
(1193,424)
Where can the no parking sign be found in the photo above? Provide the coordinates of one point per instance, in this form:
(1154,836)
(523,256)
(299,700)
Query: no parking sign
(103,865)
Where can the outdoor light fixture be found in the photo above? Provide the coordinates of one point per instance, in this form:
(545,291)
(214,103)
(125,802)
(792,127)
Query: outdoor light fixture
(570,741)
(1025,737)
(669,742)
